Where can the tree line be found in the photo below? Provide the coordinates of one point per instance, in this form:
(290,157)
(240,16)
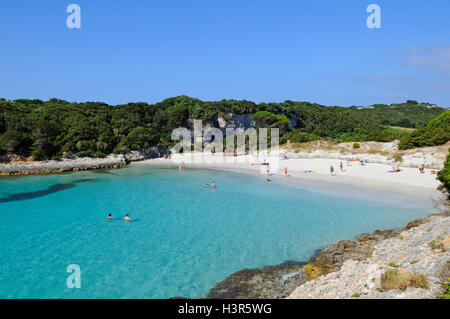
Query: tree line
(57,128)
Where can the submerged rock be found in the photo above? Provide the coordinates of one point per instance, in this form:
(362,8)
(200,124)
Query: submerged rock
(270,282)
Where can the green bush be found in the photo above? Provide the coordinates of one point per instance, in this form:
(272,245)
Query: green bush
(99,154)
(446,288)
(297,136)
(269,120)
(87,153)
(444,174)
(356,145)
(437,132)
(398,158)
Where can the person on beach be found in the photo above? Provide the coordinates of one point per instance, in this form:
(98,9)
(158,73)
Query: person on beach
(341,166)
(331,170)
(183,165)
(109,216)
(395,169)
(285,172)
(127,218)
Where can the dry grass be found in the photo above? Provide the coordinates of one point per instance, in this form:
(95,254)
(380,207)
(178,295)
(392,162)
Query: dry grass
(393,279)
(398,157)
(434,244)
(385,149)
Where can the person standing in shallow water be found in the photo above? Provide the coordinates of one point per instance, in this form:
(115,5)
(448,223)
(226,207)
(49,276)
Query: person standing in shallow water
(285,172)
(109,216)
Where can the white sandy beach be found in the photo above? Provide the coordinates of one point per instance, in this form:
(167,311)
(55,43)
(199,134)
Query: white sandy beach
(371,176)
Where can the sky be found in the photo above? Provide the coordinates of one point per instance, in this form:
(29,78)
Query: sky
(265,51)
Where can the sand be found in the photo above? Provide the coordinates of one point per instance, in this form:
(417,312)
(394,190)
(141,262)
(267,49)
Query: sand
(354,178)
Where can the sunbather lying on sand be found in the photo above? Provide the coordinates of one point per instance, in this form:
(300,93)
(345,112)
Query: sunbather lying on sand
(395,169)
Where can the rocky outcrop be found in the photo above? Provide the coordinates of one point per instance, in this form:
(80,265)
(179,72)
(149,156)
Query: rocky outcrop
(354,270)
(235,121)
(15,165)
(287,279)
(269,282)
(333,257)
(64,165)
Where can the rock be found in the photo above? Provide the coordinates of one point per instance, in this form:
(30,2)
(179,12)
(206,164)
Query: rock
(261,283)
(57,166)
(405,251)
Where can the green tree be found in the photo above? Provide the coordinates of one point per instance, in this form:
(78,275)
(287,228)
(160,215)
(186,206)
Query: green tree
(444,174)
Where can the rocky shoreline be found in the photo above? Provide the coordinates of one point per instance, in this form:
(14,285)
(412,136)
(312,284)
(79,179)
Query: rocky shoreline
(332,272)
(341,270)
(73,164)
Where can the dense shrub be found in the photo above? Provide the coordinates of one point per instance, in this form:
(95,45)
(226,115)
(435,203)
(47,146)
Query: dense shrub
(444,174)
(437,132)
(297,136)
(53,128)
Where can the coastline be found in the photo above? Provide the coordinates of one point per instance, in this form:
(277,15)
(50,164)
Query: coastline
(71,164)
(335,265)
(410,185)
(295,279)
(284,280)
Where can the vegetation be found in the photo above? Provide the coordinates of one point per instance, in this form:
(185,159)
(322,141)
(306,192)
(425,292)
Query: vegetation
(410,114)
(57,128)
(394,279)
(436,132)
(435,244)
(444,174)
(446,287)
(398,158)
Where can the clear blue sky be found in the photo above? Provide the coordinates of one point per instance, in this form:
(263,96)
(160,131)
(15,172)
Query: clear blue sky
(319,51)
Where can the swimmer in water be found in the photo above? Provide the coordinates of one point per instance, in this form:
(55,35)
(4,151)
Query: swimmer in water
(127,218)
(109,216)
(207,185)
(213,184)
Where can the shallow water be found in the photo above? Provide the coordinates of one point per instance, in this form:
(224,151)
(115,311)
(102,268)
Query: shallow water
(183,238)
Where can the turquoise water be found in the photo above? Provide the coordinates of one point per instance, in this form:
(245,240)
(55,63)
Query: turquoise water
(183,239)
